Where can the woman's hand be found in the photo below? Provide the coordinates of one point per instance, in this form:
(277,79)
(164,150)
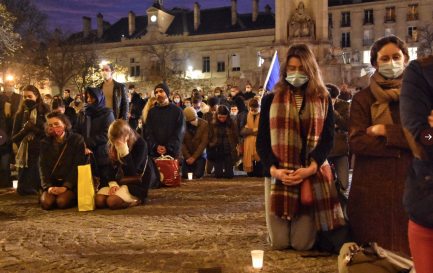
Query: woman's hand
(285,176)
(376,130)
(87,151)
(430,119)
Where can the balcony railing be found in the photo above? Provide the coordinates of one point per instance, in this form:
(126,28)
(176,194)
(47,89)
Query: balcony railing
(368,21)
(345,23)
(389,19)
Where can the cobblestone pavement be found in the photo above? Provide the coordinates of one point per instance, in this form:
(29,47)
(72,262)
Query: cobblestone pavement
(203,224)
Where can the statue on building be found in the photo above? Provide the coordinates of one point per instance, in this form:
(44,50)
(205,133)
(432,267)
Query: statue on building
(301,25)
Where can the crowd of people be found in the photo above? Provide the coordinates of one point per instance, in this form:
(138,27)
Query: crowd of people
(301,137)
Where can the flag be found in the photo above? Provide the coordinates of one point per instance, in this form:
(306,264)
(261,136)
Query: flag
(273,73)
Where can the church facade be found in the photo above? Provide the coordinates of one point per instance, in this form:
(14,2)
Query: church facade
(216,47)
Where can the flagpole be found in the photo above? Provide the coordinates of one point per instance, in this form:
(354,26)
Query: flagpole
(269,71)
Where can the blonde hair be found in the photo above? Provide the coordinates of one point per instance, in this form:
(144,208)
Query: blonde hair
(149,105)
(118,129)
(316,86)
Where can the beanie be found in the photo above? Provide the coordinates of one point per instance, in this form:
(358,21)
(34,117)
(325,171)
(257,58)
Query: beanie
(164,87)
(190,114)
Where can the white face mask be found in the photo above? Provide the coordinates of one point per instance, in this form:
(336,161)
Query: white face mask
(106,75)
(297,79)
(176,100)
(194,122)
(187,104)
(391,70)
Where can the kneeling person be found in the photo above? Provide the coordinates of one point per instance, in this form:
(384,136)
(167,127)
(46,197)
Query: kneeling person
(194,143)
(61,153)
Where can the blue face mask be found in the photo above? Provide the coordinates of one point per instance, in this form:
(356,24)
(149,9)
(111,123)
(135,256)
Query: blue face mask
(297,79)
(391,70)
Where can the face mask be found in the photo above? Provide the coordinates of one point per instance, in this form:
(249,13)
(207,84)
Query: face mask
(217,94)
(29,103)
(57,131)
(187,104)
(106,75)
(233,113)
(297,79)
(194,122)
(176,100)
(392,69)
(233,94)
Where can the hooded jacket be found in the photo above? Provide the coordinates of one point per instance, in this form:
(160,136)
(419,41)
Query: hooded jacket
(93,122)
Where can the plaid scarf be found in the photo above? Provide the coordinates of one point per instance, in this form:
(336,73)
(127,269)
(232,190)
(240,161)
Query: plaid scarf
(287,127)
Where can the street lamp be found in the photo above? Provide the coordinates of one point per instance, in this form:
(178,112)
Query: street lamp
(9,78)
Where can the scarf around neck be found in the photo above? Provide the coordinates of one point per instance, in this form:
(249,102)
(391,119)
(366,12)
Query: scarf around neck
(292,134)
(384,91)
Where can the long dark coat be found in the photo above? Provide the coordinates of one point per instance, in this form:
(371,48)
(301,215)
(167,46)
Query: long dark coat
(375,206)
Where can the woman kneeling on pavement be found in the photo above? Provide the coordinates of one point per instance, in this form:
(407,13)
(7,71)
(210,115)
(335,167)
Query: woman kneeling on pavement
(131,173)
(61,153)
(294,138)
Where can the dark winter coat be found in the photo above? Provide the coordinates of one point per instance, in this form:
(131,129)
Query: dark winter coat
(19,132)
(341,136)
(223,139)
(66,172)
(416,104)
(133,164)
(165,127)
(92,123)
(120,100)
(135,108)
(375,206)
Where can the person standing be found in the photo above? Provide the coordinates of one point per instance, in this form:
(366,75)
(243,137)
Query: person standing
(416,110)
(115,93)
(27,132)
(296,131)
(376,138)
(67,99)
(164,125)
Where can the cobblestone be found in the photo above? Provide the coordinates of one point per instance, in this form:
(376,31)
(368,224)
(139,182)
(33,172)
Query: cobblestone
(203,224)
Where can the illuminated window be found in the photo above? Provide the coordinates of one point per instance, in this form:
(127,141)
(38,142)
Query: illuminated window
(366,56)
(413,53)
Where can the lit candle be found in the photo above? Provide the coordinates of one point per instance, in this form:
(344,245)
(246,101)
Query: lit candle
(189,176)
(257,257)
(15,184)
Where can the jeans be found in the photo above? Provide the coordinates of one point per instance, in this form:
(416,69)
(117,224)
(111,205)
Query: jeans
(197,168)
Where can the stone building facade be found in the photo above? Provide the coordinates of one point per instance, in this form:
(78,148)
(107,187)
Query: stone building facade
(215,47)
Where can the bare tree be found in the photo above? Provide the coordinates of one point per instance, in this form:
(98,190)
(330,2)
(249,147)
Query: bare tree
(86,70)
(425,39)
(10,41)
(166,61)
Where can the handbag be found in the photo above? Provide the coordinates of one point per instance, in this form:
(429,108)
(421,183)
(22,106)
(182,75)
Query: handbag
(134,179)
(169,170)
(306,188)
(371,258)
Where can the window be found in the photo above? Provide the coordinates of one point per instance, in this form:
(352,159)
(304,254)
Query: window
(345,39)
(366,56)
(345,19)
(412,13)
(330,23)
(132,60)
(206,64)
(389,31)
(412,34)
(134,71)
(368,37)
(221,66)
(260,60)
(236,62)
(390,15)
(413,53)
(368,17)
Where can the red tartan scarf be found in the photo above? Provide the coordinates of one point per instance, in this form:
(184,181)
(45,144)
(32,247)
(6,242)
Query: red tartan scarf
(286,142)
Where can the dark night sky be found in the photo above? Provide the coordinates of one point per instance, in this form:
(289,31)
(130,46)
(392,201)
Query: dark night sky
(68,14)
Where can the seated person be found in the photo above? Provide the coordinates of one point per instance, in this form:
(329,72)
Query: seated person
(61,153)
(132,172)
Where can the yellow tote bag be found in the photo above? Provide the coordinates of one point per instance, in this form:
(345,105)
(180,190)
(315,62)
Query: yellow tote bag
(86,191)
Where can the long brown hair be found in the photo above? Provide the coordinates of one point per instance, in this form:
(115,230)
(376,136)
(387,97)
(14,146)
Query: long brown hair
(120,128)
(316,86)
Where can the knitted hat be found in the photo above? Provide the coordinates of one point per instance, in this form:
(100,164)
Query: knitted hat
(190,114)
(164,87)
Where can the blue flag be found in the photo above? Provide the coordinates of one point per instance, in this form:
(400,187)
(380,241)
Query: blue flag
(273,73)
